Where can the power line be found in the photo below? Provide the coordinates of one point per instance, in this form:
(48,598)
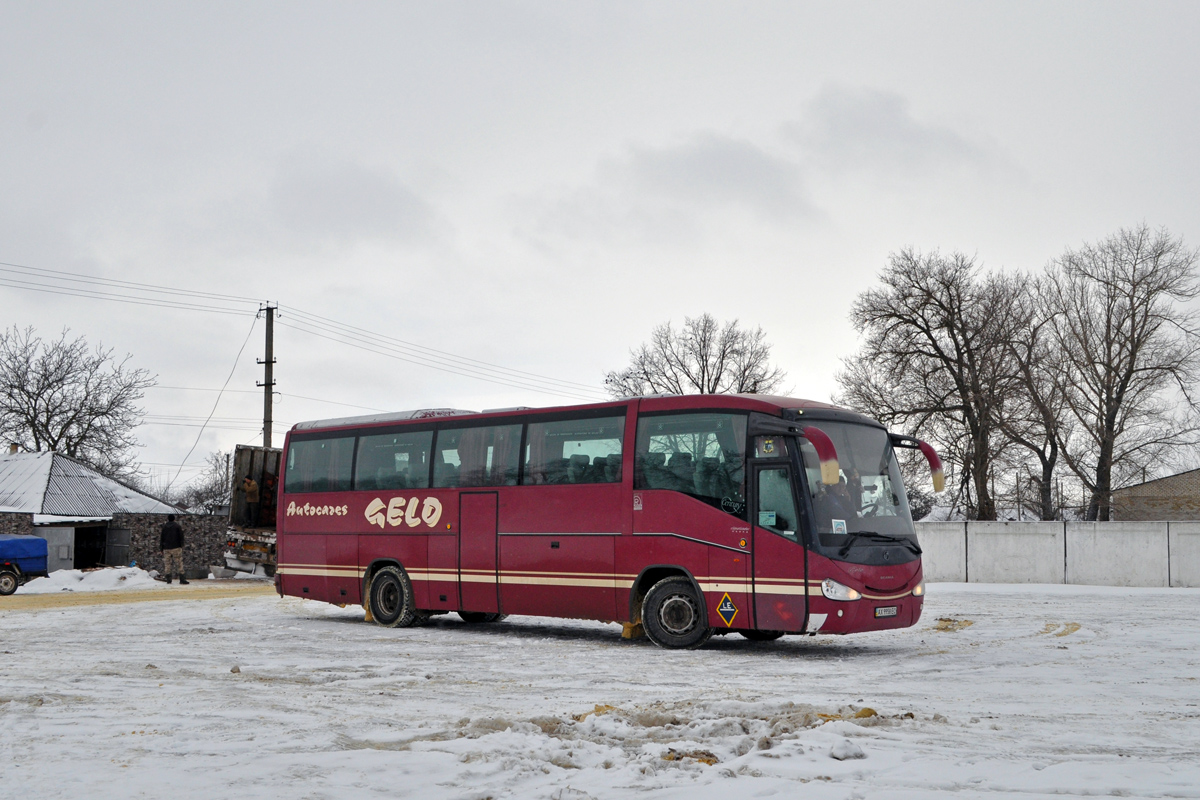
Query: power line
(73,284)
(195,418)
(236,359)
(281,394)
(334,325)
(211,427)
(393,352)
(78,277)
(94,294)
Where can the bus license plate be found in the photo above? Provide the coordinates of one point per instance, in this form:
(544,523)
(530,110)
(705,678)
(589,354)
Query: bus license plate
(886,611)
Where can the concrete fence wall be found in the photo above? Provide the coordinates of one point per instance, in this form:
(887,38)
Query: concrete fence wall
(1095,553)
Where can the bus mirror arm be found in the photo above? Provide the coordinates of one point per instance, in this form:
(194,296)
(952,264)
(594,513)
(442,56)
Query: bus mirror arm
(826,452)
(935,463)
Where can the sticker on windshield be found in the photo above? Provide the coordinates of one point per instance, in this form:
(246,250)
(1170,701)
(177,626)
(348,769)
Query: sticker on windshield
(839,526)
(767,518)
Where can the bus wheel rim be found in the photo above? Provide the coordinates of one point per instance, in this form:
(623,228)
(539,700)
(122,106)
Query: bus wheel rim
(389,598)
(678,614)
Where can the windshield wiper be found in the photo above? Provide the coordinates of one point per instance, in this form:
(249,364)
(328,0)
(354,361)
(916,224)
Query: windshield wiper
(881,538)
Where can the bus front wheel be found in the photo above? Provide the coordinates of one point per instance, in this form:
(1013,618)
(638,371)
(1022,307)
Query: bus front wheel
(391,598)
(673,616)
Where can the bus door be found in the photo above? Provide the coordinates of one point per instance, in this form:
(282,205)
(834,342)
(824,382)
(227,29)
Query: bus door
(780,588)
(478,586)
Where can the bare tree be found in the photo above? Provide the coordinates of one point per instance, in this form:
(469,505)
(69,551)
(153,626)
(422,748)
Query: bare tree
(703,357)
(210,490)
(1034,417)
(1130,355)
(937,361)
(63,396)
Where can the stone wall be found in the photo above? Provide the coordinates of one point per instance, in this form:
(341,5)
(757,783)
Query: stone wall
(204,540)
(14,523)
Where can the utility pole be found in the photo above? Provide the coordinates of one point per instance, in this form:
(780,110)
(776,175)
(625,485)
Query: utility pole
(268,363)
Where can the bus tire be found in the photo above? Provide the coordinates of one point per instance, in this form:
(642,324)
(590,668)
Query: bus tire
(8,582)
(391,599)
(477,617)
(761,636)
(673,616)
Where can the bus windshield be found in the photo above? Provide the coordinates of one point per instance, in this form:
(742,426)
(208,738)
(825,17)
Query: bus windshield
(869,498)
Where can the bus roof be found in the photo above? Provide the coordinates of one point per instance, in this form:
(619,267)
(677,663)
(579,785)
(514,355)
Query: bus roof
(767,404)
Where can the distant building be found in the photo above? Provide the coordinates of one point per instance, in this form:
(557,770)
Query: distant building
(90,520)
(1175,497)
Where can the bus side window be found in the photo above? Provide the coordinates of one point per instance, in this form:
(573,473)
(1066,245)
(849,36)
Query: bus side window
(478,456)
(574,451)
(776,506)
(703,455)
(320,465)
(393,461)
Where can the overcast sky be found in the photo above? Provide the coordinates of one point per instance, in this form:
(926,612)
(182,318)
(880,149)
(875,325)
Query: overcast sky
(537,185)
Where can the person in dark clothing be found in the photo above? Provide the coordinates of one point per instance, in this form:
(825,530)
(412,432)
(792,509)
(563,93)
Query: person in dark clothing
(250,487)
(171,544)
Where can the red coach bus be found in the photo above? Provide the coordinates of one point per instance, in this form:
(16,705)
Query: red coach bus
(688,515)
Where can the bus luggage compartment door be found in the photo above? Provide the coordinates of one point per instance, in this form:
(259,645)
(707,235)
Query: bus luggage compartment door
(477,552)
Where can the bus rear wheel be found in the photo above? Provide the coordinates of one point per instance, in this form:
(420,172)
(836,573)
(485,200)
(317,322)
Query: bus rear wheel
(673,616)
(476,617)
(391,599)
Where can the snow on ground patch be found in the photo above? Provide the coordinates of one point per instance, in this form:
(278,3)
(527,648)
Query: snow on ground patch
(1046,694)
(99,580)
(649,746)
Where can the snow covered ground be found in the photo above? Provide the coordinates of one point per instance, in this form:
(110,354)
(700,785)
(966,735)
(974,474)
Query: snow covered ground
(101,580)
(1000,691)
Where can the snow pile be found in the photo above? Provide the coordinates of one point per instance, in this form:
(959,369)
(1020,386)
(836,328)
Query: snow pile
(656,744)
(98,580)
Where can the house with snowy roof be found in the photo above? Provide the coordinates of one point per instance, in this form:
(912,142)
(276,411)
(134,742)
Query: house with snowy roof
(90,520)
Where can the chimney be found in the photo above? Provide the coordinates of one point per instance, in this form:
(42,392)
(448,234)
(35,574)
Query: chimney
(12,448)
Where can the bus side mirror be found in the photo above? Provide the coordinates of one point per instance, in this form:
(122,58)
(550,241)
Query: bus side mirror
(935,463)
(826,452)
(935,466)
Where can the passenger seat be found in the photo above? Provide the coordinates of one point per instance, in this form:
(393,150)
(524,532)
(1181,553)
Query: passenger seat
(684,470)
(612,468)
(577,468)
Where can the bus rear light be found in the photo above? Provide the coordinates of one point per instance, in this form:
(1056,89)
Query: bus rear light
(935,466)
(826,452)
(836,591)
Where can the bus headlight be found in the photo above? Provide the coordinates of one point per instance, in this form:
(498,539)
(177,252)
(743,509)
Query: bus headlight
(836,591)
(919,591)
